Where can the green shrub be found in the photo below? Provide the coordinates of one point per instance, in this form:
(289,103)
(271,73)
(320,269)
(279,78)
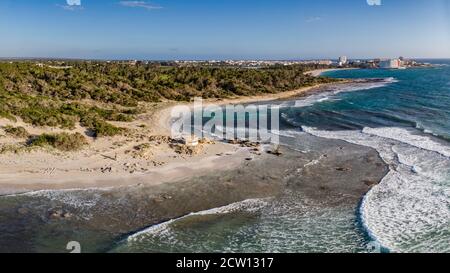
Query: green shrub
(102,129)
(16,131)
(4,114)
(62,142)
(12,148)
(99,127)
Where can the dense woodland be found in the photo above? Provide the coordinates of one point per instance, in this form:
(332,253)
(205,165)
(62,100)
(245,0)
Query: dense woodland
(93,93)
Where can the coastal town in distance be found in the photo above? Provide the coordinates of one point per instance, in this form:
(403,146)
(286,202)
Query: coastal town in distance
(341,62)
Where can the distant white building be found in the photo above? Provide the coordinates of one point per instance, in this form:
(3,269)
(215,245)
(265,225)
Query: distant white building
(391,64)
(343,60)
(325,62)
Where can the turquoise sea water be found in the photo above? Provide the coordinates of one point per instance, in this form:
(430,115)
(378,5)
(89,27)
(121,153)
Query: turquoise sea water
(406,118)
(417,97)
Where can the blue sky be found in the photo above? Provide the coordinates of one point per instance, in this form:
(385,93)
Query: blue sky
(222,29)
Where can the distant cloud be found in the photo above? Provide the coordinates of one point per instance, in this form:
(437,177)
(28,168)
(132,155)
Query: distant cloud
(74,2)
(140,4)
(313,19)
(72,5)
(374,2)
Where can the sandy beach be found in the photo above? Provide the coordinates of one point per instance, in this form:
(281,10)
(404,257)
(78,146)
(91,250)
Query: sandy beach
(144,155)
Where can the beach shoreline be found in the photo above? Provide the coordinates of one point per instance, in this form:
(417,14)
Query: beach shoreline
(112,162)
(333,174)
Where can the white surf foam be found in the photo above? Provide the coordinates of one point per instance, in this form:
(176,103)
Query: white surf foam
(334,90)
(408,136)
(76,197)
(250,205)
(410,209)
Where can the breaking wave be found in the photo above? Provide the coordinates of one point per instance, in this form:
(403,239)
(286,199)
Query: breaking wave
(250,205)
(409,211)
(328,95)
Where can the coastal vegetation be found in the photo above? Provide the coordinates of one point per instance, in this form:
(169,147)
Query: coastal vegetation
(19,132)
(94,94)
(63,142)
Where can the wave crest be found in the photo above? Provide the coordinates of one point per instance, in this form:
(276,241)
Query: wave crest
(409,211)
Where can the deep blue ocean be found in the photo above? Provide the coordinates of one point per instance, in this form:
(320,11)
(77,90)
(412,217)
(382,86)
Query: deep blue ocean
(406,118)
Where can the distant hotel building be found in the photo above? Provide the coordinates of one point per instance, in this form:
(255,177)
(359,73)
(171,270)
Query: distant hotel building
(391,64)
(343,60)
(325,62)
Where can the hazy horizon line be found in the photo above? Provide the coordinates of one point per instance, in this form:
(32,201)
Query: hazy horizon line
(211,59)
